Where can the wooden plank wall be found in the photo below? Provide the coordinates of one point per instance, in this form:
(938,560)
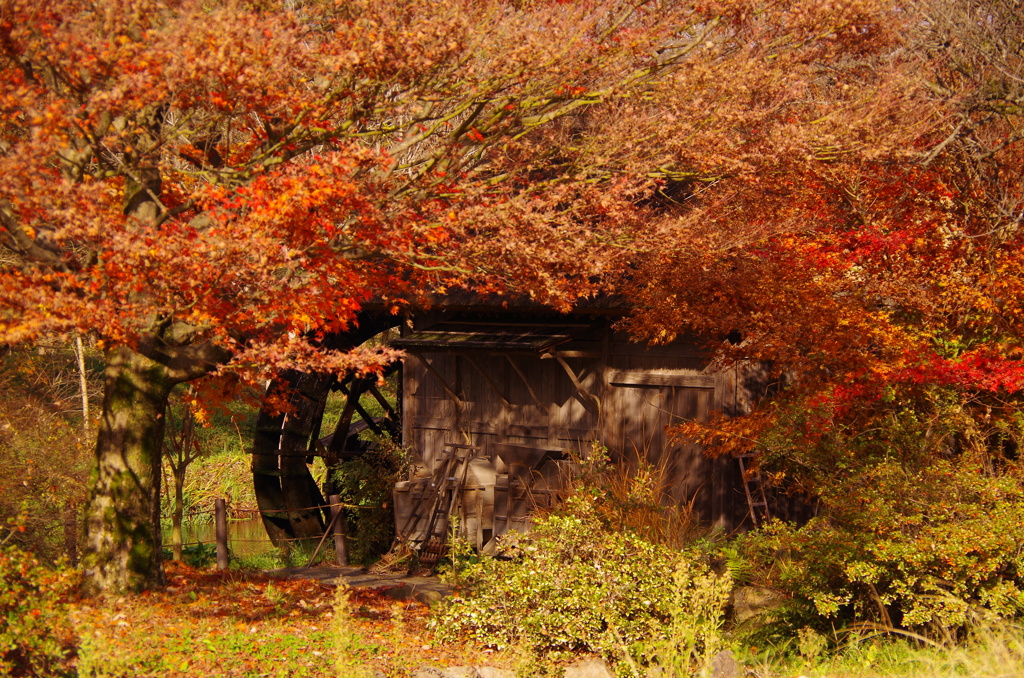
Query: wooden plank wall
(528,400)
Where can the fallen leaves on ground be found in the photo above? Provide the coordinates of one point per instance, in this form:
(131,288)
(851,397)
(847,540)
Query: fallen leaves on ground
(251,624)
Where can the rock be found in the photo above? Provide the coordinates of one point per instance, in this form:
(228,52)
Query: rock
(750,601)
(427,672)
(400,592)
(461,672)
(428,597)
(589,668)
(724,665)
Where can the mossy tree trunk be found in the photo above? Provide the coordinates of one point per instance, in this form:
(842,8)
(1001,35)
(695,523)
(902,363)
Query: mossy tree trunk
(123,545)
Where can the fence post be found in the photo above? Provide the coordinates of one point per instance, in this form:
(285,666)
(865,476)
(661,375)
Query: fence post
(220,511)
(340,546)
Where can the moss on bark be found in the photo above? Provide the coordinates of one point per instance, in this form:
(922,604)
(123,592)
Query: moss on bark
(123,543)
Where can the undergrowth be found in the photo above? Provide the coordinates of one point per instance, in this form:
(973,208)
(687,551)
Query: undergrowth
(36,636)
(597,574)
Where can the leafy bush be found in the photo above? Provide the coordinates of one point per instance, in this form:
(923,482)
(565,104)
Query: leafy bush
(366,482)
(925,548)
(572,586)
(196,555)
(35,631)
(920,507)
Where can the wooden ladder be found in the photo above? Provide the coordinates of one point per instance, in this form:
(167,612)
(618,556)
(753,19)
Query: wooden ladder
(443,499)
(753,487)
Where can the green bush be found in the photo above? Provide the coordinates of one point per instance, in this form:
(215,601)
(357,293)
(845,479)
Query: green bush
(929,548)
(196,555)
(365,483)
(35,630)
(572,586)
(919,496)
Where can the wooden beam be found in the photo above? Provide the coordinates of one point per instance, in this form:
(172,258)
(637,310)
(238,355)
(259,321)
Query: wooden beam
(522,375)
(584,394)
(570,354)
(437,375)
(342,431)
(660,378)
(391,419)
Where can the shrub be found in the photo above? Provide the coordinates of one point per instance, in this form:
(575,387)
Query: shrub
(572,586)
(366,482)
(35,630)
(44,453)
(920,506)
(924,547)
(196,555)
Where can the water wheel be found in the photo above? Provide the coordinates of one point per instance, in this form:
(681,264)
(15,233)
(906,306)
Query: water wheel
(291,503)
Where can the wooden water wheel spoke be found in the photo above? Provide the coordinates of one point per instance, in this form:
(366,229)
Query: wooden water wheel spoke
(339,443)
(390,421)
(361,387)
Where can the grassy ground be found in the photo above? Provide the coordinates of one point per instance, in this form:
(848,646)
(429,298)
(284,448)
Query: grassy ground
(248,624)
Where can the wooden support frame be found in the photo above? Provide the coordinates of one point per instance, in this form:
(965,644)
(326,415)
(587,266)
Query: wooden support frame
(522,375)
(360,386)
(584,394)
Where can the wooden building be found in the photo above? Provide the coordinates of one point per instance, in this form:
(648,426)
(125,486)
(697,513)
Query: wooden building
(497,401)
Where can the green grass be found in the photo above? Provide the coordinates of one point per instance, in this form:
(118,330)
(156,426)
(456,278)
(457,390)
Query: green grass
(994,650)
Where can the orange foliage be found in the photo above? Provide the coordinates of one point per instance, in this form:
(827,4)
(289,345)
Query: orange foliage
(884,259)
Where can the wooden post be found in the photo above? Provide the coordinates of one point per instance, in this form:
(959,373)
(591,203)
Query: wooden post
(220,511)
(340,545)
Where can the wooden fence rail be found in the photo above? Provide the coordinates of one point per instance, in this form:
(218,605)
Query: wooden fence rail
(335,528)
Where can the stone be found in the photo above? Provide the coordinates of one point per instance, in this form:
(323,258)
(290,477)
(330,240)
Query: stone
(724,665)
(461,672)
(400,592)
(588,668)
(750,601)
(428,597)
(427,672)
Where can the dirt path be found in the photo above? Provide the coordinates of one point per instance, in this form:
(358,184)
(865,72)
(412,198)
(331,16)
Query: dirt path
(396,585)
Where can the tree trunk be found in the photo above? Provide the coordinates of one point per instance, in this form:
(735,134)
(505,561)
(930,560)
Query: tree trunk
(83,384)
(179,510)
(122,550)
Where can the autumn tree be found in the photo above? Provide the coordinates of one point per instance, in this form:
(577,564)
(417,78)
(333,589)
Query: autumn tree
(204,187)
(207,186)
(854,215)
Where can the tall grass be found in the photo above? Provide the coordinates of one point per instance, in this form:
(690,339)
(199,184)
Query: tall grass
(222,474)
(633,494)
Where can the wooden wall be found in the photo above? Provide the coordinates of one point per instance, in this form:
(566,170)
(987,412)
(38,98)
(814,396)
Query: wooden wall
(603,388)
